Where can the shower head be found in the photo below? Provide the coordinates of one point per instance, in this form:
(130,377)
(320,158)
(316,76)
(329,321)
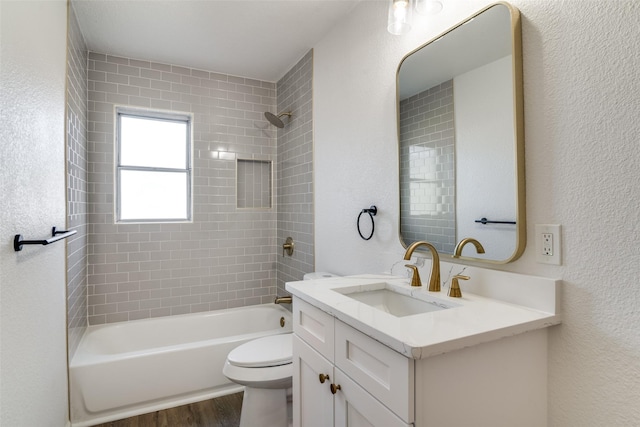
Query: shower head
(275,120)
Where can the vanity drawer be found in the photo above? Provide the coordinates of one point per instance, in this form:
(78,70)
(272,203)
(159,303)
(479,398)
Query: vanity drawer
(314,326)
(384,373)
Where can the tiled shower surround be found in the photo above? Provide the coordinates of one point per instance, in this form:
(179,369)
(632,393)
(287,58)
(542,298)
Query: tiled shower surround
(295,171)
(76,183)
(428,171)
(226,257)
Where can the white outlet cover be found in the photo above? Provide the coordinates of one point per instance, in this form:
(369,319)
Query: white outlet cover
(555,257)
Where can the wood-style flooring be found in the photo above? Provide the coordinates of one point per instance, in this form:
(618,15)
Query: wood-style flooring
(220,412)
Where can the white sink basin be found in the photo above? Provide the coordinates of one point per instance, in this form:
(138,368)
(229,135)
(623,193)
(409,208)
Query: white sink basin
(385,298)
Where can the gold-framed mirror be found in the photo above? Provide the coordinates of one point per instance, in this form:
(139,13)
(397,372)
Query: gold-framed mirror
(461,138)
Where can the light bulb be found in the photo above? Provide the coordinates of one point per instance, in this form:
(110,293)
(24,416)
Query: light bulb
(399,17)
(428,7)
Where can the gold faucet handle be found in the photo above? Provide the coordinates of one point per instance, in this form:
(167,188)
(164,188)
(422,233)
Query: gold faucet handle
(288,247)
(454,289)
(415,277)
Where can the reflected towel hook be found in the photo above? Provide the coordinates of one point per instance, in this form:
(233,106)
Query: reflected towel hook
(372,211)
(55,236)
(486,221)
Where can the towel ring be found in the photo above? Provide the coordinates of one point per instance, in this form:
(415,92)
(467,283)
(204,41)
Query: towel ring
(372,211)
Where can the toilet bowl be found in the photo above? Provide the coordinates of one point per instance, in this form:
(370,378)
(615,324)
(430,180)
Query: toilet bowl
(264,366)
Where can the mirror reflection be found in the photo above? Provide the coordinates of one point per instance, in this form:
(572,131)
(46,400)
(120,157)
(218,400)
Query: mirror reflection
(460,138)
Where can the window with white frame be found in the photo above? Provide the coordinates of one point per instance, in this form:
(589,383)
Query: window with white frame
(153,166)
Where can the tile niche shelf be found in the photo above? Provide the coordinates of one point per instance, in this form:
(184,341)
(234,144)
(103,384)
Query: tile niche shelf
(254,184)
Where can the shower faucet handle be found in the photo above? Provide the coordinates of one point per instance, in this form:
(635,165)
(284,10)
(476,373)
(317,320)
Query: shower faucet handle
(287,247)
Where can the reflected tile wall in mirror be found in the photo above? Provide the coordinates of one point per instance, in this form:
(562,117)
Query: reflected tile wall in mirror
(428,167)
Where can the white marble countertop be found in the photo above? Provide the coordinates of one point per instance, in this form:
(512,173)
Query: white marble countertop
(473,320)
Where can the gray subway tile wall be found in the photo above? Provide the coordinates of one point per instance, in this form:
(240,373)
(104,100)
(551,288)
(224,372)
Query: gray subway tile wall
(226,257)
(428,167)
(76,184)
(294,172)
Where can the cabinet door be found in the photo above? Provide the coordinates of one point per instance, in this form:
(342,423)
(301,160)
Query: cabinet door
(385,374)
(354,407)
(312,400)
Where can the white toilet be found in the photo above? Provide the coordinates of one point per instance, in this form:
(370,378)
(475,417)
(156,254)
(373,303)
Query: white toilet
(264,367)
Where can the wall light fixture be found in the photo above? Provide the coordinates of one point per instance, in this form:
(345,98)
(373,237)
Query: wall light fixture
(399,22)
(428,7)
(400,11)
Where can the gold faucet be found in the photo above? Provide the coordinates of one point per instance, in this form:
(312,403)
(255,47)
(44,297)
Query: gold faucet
(457,252)
(283,300)
(434,279)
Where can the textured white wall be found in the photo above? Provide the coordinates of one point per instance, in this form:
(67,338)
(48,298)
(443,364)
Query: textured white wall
(33,387)
(581,74)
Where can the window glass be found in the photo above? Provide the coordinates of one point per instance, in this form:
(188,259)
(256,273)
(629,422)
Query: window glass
(153,195)
(153,142)
(153,177)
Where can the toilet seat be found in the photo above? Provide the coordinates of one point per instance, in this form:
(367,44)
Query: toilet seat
(262,363)
(275,350)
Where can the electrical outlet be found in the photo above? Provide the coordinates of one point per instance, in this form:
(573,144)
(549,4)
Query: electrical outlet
(548,244)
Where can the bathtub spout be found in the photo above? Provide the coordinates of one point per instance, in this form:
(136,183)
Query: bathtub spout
(284,300)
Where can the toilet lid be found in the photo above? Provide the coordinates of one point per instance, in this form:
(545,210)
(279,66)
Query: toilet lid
(274,350)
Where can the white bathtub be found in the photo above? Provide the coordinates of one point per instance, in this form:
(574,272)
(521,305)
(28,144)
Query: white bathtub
(130,368)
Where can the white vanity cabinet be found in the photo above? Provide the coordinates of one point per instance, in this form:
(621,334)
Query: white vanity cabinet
(338,371)
(501,383)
